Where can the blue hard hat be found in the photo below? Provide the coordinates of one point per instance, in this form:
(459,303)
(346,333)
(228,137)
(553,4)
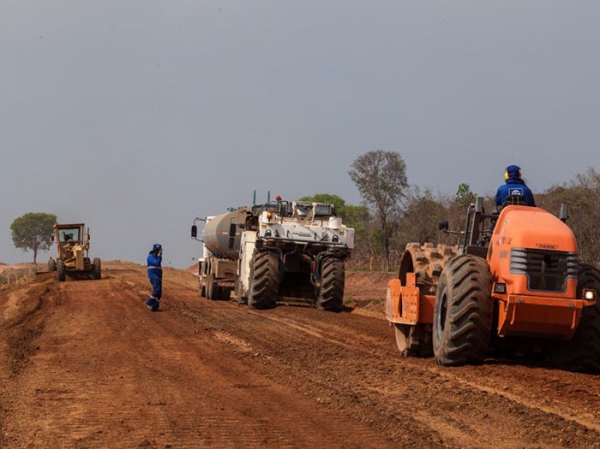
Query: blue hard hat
(156,247)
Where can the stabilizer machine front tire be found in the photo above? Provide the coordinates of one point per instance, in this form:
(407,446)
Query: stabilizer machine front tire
(264,283)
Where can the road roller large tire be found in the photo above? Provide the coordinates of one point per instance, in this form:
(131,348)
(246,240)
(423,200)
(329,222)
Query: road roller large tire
(463,312)
(582,352)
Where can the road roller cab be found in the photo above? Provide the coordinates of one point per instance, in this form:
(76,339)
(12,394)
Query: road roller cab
(513,277)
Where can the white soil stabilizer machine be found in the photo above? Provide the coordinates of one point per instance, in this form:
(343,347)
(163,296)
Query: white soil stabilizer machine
(72,246)
(290,251)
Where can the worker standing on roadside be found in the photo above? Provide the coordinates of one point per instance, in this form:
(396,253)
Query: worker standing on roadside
(513,185)
(154,262)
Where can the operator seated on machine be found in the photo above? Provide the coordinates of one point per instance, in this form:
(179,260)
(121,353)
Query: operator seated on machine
(67,245)
(513,187)
(513,191)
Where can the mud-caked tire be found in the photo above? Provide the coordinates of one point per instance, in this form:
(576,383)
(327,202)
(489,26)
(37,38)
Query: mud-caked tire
(331,293)
(264,280)
(582,352)
(51,265)
(97,268)
(61,270)
(463,312)
(427,261)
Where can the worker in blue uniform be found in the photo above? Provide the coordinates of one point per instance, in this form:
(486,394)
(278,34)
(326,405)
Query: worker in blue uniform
(154,262)
(513,185)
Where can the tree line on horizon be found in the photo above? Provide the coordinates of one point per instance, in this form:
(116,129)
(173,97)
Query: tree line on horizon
(394,213)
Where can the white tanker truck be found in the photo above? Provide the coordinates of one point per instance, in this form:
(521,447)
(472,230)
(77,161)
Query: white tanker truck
(283,251)
(220,251)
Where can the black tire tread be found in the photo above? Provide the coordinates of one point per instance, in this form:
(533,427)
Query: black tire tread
(582,352)
(265,280)
(61,270)
(212,289)
(97,268)
(466,335)
(333,278)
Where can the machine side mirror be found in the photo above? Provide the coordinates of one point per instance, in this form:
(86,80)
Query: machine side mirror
(443,225)
(194,231)
(563,215)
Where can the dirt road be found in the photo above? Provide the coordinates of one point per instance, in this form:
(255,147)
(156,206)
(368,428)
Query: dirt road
(84,365)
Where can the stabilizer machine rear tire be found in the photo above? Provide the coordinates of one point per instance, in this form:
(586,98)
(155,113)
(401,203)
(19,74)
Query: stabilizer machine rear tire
(331,293)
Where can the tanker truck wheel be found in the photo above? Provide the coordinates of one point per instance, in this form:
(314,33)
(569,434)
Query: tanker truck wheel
(463,311)
(61,270)
(202,287)
(264,282)
(582,352)
(97,268)
(331,293)
(212,289)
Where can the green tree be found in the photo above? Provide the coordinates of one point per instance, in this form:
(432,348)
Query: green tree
(33,231)
(381,180)
(338,203)
(464,196)
(356,217)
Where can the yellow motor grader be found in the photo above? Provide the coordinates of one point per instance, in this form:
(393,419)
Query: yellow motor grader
(72,245)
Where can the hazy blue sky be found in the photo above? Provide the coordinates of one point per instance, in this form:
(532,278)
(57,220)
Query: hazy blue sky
(137,116)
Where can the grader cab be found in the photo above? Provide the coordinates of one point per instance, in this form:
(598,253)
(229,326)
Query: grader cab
(513,286)
(72,247)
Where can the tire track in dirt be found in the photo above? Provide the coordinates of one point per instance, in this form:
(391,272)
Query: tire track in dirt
(110,371)
(447,425)
(213,374)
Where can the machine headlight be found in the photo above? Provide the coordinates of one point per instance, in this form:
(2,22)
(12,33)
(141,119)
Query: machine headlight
(589,294)
(335,239)
(268,233)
